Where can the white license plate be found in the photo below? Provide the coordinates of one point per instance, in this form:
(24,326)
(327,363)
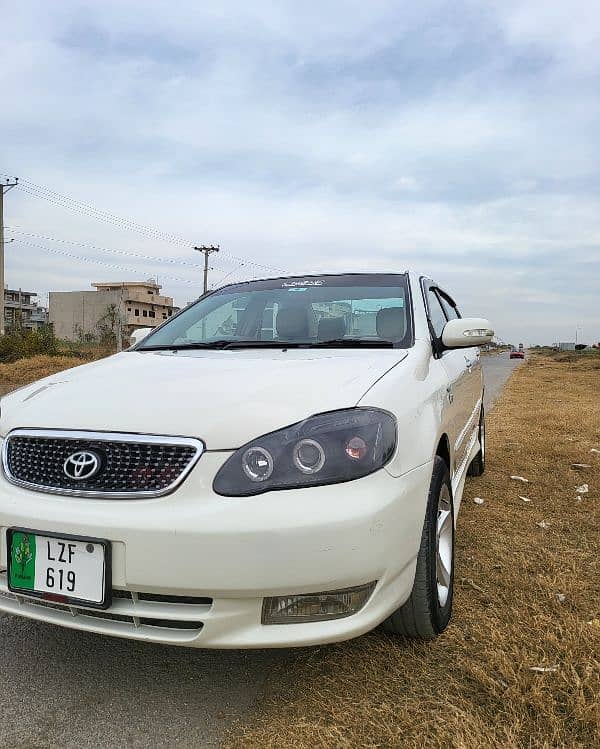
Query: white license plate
(66,569)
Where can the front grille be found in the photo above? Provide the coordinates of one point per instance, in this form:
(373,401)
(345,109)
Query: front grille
(127,465)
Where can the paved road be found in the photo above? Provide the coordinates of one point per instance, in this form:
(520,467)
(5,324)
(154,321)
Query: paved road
(496,371)
(60,688)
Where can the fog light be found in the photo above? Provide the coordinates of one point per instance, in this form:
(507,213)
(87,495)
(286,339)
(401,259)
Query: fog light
(316,607)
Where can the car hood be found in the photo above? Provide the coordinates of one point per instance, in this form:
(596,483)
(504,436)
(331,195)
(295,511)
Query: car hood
(225,398)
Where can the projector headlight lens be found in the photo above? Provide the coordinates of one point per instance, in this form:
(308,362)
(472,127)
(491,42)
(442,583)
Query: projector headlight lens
(309,456)
(257,463)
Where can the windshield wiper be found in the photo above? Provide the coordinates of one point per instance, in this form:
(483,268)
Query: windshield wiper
(331,343)
(352,343)
(222,344)
(266,344)
(219,344)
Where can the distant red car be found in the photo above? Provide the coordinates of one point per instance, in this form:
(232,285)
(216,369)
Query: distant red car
(517,354)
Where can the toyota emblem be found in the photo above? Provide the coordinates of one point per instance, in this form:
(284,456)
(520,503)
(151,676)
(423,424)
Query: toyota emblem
(84,464)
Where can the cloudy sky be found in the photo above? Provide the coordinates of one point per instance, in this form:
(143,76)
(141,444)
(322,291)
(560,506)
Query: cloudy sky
(458,138)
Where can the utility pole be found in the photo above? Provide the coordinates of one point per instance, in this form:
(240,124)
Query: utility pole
(119,321)
(4,187)
(206,250)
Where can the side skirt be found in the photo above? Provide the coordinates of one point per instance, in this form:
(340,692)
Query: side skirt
(460,475)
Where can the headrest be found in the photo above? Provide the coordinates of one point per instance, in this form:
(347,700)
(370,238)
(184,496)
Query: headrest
(391,323)
(330,328)
(292,323)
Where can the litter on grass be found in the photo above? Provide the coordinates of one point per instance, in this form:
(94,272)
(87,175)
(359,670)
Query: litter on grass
(583,489)
(561,597)
(543,524)
(525,499)
(580,466)
(520,478)
(543,669)
(478,500)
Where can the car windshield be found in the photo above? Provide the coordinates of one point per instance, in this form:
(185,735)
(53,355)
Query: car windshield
(337,311)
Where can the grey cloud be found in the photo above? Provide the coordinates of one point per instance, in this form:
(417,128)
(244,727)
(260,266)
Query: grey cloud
(455,136)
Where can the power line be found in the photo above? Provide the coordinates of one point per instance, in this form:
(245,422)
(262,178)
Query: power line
(231,272)
(63,201)
(115,266)
(126,253)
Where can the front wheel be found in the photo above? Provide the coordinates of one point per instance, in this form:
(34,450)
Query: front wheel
(427,612)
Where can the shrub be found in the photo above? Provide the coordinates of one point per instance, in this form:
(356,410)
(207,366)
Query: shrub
(24,343)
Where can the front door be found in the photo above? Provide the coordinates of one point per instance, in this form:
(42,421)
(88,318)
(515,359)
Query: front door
(457,367)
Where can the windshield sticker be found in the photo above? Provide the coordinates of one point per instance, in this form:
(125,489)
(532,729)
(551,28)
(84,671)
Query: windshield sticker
(307,282)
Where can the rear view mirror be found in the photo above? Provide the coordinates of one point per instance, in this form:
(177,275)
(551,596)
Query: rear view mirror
(467,331)
(139,335)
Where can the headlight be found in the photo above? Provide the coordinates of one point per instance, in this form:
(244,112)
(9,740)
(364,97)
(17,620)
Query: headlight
(325,449)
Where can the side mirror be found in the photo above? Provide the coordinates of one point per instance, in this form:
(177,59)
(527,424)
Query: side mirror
(467,331)
(139,335)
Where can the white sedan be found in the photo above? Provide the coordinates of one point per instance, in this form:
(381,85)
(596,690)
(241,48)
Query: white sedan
(279,464)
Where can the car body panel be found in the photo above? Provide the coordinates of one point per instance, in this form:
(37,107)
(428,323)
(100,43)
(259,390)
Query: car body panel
(236,551)
(259,391)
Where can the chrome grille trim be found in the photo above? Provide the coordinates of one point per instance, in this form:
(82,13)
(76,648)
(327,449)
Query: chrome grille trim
(108,437)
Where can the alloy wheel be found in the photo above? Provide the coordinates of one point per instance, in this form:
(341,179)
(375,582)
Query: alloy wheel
(445,531)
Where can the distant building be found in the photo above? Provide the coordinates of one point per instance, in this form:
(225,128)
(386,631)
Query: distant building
(566,346)
(118,308)
(23,311)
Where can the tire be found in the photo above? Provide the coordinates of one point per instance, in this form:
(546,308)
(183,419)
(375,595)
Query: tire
(427,612)
(477,466)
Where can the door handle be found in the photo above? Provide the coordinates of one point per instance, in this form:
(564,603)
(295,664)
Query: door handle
(469,362)
(449,393)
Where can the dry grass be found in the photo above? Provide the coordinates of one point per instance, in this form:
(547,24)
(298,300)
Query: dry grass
(474,688)
(24,371)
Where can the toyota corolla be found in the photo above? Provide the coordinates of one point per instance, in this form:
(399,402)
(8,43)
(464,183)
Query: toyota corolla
(279,464)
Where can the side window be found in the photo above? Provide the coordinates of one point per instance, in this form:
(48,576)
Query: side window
(450,309)
(436,313)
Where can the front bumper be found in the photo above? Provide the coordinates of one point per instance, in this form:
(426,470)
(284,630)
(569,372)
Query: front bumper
(194,544)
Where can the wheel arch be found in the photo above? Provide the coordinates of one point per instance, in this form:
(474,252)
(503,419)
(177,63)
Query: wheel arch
(443,451)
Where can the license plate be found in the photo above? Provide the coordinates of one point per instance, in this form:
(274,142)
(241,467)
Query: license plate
(60,568)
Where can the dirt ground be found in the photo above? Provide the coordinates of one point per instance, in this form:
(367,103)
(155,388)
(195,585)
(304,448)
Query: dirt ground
(518,666)
(22,372)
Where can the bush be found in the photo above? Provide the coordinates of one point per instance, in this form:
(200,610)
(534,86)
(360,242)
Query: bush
(19,344)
